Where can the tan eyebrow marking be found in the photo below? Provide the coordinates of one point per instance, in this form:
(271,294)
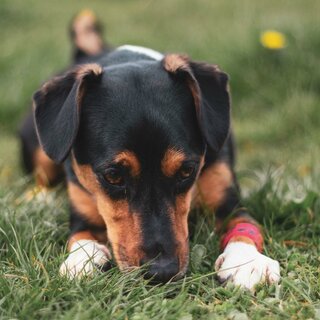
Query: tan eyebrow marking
(129,159)
(172,161)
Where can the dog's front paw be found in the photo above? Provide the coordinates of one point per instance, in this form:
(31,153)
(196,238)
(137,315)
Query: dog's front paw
(84,257)
(243,265)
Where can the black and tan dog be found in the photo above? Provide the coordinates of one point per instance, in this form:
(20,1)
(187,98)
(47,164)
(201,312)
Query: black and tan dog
(141,137)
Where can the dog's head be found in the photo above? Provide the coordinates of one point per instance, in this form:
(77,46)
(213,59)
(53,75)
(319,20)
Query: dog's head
(137,134)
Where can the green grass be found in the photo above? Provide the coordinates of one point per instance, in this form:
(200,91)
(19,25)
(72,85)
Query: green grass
(276,121)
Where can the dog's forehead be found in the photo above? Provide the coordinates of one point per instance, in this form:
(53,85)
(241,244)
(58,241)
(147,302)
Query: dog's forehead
(138,107)
(139,78)
(138,88)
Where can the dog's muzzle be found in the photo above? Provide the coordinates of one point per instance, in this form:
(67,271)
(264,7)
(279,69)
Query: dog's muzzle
(161,269)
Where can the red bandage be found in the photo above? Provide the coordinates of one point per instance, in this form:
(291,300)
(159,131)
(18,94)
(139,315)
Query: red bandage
(247,230)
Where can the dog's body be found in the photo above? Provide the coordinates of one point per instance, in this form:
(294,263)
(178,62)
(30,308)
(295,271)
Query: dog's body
(142,136)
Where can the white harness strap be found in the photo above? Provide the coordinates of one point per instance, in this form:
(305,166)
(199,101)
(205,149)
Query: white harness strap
(146,51)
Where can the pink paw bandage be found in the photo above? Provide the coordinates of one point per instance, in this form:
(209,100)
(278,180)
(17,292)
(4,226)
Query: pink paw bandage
(247,230)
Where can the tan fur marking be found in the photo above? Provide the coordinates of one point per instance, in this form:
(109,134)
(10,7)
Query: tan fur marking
(88,68)
(124,231)
(81,72)
(129,159)
(174,62)
(194,87)
(171,162)
(83,235)
(46,171)
(241,239)
(86,177)
(179,218)
(124,227)
(212,185)
(85,205)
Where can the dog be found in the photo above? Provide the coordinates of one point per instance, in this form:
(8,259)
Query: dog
(141,137)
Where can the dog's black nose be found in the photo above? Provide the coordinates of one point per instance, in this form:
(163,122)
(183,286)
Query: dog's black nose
(162,269)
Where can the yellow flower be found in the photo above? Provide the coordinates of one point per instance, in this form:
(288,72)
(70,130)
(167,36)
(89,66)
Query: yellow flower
(273,40)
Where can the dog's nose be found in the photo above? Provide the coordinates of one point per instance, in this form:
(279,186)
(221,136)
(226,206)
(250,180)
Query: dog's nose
(162,269)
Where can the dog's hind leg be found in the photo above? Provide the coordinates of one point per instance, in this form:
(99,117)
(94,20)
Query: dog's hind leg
(34,159)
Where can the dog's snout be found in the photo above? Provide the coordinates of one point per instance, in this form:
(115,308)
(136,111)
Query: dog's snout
(162,269)
(160,246)
(153,250)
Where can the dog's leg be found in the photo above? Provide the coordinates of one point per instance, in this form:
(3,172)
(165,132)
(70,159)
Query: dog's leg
(88,236)
(34,159)
(241,262)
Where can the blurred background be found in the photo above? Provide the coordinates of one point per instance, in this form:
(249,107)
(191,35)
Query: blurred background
(275,77)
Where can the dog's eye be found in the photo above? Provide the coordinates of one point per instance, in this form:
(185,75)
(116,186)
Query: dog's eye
(186,172)
(114,177)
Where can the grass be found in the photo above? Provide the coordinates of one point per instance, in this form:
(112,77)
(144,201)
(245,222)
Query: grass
(276,121)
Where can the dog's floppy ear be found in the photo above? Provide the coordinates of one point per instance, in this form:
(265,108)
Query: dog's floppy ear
(209,87)
(57,107)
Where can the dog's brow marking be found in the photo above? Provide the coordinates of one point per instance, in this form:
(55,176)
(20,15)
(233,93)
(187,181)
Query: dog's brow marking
(146,51)
(129,159)
(172,161)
